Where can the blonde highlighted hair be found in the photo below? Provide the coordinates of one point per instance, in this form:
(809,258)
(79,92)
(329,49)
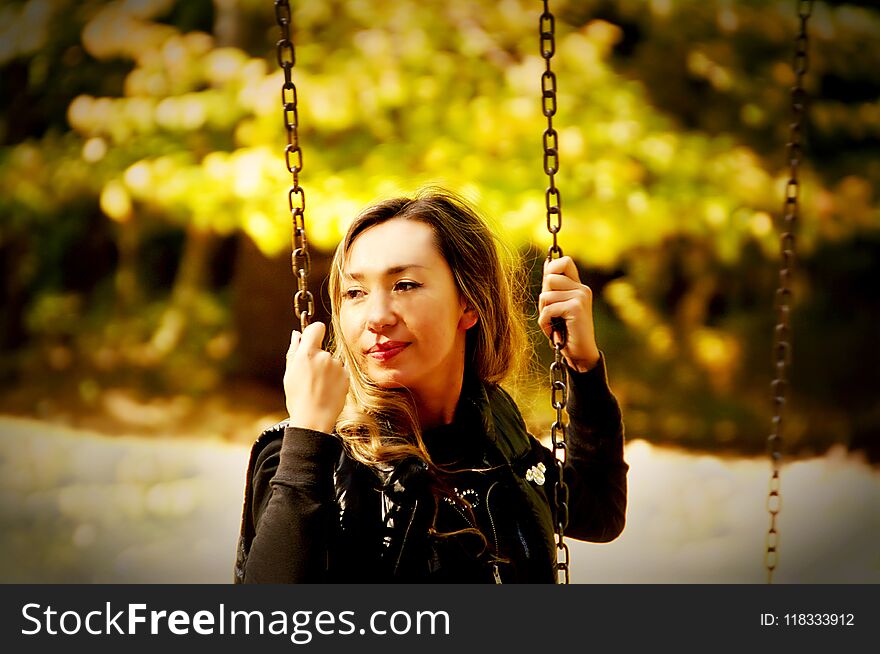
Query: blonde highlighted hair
(379,425)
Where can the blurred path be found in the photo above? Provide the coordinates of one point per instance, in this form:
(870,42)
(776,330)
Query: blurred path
(703,519)
(80,507)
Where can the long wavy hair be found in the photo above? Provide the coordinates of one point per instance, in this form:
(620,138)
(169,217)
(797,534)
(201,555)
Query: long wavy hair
(379,426)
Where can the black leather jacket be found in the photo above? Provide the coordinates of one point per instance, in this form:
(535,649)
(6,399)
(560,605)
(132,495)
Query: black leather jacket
(314,514)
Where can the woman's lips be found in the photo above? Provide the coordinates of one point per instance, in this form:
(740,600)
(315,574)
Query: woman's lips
(390,353)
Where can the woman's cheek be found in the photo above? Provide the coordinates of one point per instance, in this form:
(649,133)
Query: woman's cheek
(348,320)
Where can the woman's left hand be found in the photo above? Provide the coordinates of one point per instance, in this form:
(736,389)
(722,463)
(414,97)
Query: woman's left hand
(563,296)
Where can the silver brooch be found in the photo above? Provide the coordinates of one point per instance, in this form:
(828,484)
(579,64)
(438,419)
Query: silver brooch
(536,474)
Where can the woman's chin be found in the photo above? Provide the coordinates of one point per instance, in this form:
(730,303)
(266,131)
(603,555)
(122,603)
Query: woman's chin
(387,379)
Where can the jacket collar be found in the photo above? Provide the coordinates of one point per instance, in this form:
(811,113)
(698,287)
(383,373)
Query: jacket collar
(474,407)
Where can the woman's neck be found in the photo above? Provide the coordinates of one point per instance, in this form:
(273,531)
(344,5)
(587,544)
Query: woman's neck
(436,406)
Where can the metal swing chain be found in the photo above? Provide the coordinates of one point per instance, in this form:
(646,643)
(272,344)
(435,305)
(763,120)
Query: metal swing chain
(553,202)
(296,199)
(781,341)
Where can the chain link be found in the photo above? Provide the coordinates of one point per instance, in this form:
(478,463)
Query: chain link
(782,303)
(300,261)
(553,204)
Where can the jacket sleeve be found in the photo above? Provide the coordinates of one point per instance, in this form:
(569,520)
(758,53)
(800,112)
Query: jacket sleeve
(594,471)
(293,508)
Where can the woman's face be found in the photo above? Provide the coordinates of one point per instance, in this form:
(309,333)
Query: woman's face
(401,313)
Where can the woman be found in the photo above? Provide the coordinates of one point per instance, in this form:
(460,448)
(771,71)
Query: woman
(403,459)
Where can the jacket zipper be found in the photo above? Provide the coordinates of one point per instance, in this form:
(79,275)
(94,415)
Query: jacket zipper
(461,513)
(495,571)
(496,574)
(412,517)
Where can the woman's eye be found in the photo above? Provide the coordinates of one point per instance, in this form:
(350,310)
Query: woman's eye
(406,286)
(353,293)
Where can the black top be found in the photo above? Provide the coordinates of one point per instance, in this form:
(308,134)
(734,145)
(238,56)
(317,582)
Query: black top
(314,514)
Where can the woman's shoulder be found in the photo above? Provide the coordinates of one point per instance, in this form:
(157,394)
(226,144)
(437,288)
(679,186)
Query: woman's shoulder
(508,428)
(269,441)
(275,432)
(503,405)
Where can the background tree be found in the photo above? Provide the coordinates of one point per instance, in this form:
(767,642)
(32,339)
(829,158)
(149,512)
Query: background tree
(143,221)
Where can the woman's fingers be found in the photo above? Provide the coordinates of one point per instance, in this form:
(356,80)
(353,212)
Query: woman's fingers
(580,351)
(294,343)
(557,282)
(315,383)
(566,309)
(312,337)
(564,296)
(569,304)
(562,266)
(309,341)
(551,297)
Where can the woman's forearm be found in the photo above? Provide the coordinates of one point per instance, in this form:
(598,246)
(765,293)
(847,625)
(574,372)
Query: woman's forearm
(595,470)
(293,509)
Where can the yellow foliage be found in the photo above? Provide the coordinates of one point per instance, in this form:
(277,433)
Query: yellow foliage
(115,202)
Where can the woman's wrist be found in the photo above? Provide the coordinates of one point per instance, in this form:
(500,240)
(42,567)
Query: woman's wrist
(306,456)
(583,365)
(325,427)
(315,422)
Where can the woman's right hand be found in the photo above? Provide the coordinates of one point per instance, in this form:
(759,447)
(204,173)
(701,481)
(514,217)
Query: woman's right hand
(315,384)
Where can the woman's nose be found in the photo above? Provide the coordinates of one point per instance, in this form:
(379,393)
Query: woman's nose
(380,312)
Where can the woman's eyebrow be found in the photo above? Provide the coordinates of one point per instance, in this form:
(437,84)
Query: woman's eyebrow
(388,271)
